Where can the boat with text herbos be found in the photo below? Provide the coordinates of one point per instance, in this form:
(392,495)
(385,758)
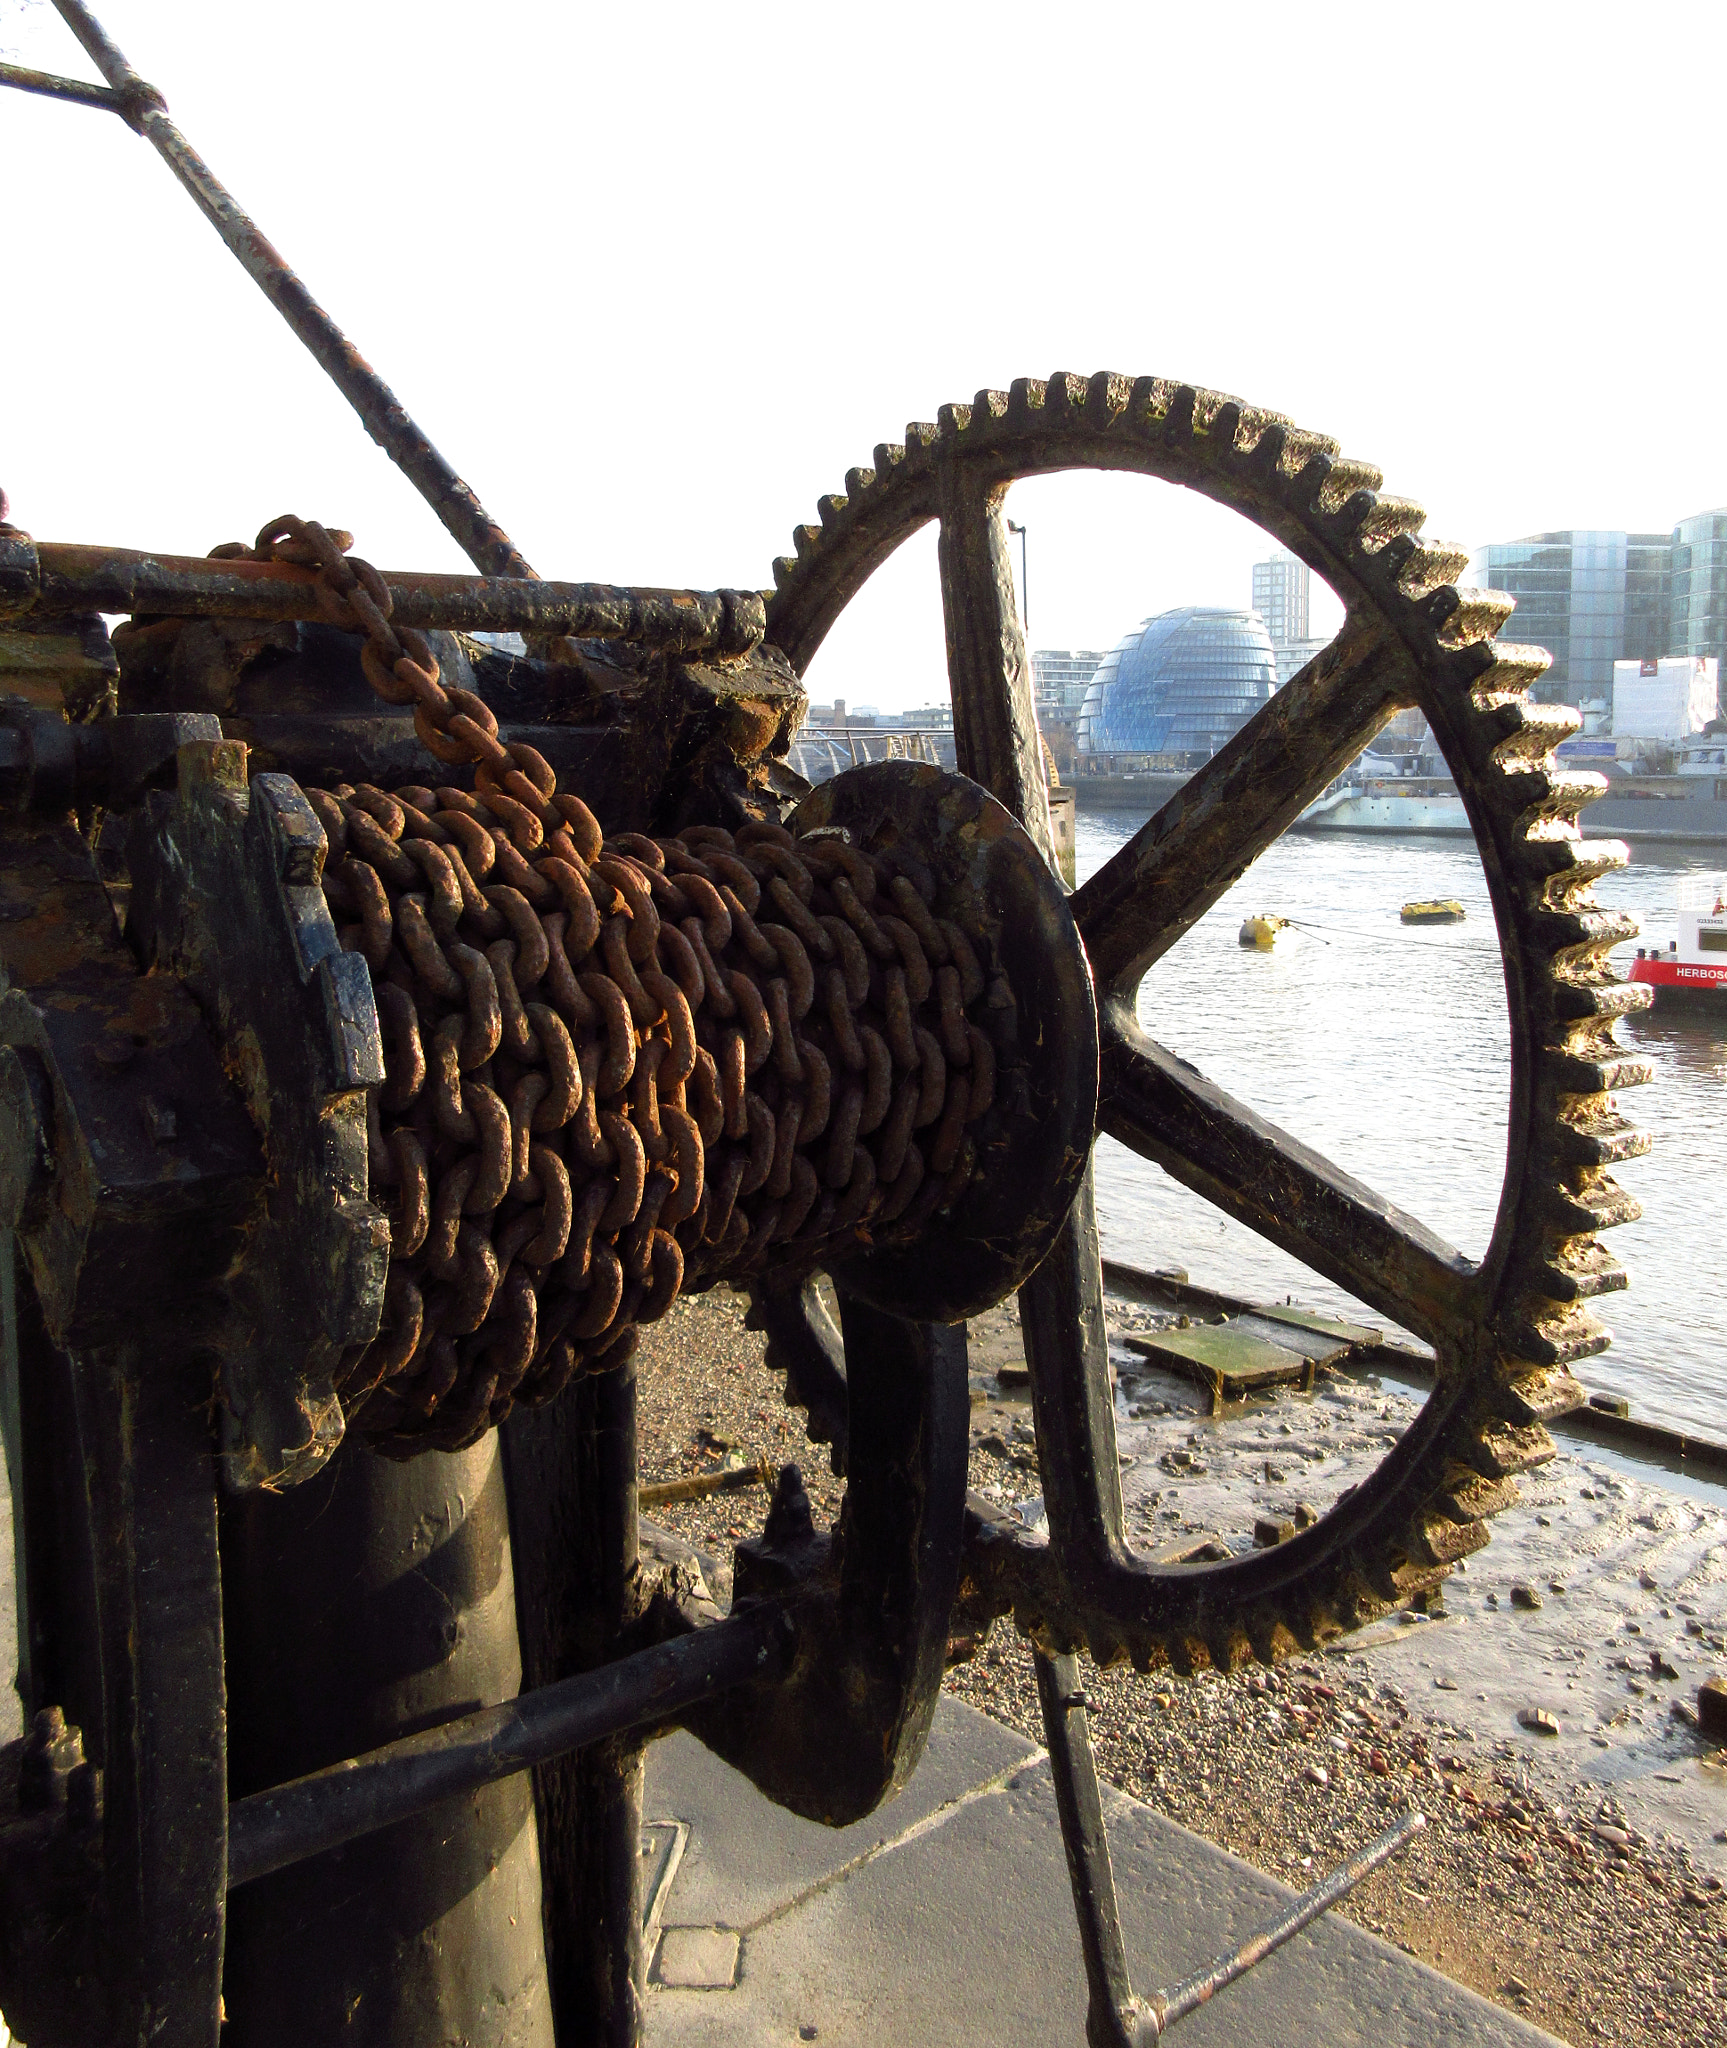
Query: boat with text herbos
(1694,966)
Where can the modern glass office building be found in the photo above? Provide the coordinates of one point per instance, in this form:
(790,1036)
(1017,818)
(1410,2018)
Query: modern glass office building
(1590,597)
(1181,683)
(1697,601)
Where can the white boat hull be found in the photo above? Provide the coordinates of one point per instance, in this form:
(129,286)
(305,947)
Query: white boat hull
(1367,811)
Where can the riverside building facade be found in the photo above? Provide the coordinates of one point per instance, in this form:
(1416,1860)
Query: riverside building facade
(1596,597)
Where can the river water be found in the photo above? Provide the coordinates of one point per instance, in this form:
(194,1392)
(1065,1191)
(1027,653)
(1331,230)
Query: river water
(1385,1046)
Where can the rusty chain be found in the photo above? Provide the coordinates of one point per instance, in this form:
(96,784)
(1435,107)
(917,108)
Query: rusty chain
(616,1068)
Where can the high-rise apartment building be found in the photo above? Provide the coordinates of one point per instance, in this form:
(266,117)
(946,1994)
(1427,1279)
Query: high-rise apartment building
(1280,590)
(1059,676)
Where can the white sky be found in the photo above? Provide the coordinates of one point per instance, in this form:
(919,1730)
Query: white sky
(654,277)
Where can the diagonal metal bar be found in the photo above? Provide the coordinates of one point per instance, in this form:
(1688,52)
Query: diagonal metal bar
(1166,1111)
(51,86)
(382,413)
(1193,1992)
(1171,872)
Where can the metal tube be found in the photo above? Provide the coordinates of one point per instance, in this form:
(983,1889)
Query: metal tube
(321,1811)
(100,579)
(53,87)
(1170,2006)
(383,415)
(700,1484)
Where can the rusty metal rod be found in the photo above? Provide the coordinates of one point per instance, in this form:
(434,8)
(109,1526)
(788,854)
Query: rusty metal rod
(699,1485)
(1170,2006)
(54,87)
(270,1830)
(383,415)
(71,578)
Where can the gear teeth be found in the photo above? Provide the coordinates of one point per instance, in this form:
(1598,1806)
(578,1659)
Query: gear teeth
(1064,396)
(1600,1137)
(889,456)
(1512,671)
(1543,1395)
(1578,1270)
(1502,1449)
(1178,420)
(1346,480)
(952,422)
(1568,867)
(1553,799)
(1543,1337)
(1528,732)
(1431,566)
(1572,1073)
(1437,1540)
(1474,618)
(1025,397)
(1598,1204)
(830,510)
(806,539)
(1468,1496)
(1107,397)
(1393,522)
(1601,1001)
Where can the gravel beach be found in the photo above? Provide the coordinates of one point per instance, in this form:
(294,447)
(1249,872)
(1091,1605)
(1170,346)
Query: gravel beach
(1575,1865)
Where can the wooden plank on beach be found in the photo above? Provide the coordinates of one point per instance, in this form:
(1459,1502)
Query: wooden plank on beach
(1346,1333)
(1227,1360)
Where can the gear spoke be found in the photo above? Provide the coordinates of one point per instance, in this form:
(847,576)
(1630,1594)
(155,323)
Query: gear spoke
(995,726)
(1163,1109)
(1169,874)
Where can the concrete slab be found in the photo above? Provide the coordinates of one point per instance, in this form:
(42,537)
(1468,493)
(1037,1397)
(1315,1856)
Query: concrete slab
(949,1920)
(737,1875)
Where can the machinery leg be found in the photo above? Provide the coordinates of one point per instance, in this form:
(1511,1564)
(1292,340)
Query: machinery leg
(374,1600)
(572,1472)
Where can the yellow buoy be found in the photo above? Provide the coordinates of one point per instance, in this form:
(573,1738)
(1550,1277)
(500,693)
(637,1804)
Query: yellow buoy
(1262,932)
(1446,910)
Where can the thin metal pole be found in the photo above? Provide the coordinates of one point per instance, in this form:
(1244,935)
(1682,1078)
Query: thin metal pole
(270,1830)
(1170,2006)
(53,87)
(383,415)
(1024,575)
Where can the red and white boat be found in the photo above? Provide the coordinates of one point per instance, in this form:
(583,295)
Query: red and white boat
(1695,964)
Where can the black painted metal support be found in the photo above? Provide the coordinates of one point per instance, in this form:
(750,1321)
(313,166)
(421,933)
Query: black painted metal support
(572,1485)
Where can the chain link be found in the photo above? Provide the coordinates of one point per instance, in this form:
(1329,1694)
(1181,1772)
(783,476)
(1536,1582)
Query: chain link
(617,1068)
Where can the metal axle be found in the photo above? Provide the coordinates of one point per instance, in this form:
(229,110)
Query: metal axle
(270,1830)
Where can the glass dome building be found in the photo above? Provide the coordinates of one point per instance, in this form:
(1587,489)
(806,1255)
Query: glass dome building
(1182,683)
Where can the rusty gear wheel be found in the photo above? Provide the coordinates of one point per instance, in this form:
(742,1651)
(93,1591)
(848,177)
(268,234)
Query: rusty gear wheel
(1506,1330)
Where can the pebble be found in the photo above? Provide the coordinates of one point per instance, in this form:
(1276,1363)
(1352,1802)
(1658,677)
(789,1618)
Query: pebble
(1649,1582)
(1446,1684)
(1317,1774)
(1271,1530)
(1538,1721)
(1712,1708)
(1525,1596)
